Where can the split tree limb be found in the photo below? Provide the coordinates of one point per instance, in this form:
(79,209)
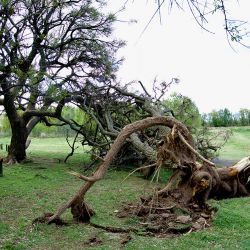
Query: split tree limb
(123,135)
(137,169)
(194,151)
(83,177)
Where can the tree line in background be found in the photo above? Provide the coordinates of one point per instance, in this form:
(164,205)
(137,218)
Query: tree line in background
(181,107)
(225,118)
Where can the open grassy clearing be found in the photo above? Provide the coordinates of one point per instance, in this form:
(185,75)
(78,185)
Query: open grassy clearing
(238,145)
(27,191)
(52,148)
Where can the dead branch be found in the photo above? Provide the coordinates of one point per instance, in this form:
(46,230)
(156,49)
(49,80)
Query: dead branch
(83,177)
(137,169)
(123,135)
(194,151)
(71,146)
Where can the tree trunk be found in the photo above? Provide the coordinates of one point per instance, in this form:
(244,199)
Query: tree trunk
(16,152)
(127,131)
(17,149)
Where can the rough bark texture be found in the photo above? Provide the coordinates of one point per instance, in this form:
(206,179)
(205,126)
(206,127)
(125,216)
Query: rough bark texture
(124,134)
(194,182)
(17,149)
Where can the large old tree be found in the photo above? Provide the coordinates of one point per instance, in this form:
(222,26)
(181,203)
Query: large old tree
(49,52)
(57,52)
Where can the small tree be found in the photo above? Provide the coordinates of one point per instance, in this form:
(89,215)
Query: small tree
(184,110)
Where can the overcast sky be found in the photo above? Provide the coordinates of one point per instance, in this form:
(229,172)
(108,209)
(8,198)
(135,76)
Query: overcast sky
(211,73)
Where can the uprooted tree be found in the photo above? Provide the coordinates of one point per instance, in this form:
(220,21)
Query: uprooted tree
(195,178)
(109,110)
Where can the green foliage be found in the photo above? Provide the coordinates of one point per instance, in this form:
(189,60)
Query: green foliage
(41,129)
(184,110)
(69,46)
(221,118)
(225,118)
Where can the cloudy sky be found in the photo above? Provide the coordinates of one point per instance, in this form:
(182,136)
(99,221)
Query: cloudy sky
(210,71)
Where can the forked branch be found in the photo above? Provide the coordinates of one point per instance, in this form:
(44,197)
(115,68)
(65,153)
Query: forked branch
(123,135)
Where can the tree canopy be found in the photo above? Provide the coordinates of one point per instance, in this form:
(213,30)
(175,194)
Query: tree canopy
(50,52)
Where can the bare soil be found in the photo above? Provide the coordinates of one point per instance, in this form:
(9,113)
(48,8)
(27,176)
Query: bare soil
(168,216)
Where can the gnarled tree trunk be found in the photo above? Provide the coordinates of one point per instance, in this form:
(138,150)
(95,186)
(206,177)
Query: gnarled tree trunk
(17,148)
(195,182)
(100,172)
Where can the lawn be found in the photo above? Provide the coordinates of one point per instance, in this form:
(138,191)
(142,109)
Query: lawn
(238,145)
(29,190)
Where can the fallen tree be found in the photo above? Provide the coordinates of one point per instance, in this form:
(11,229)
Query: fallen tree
(195,179)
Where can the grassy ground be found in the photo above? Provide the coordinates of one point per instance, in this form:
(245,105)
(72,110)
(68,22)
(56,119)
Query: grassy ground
(27,191)
(238,145)
(56,148)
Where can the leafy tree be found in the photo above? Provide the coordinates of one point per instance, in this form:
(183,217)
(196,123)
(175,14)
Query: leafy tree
(244,115)
(50,50)
(184,110)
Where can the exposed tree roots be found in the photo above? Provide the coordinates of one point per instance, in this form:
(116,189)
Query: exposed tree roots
(170,215)
(181,206)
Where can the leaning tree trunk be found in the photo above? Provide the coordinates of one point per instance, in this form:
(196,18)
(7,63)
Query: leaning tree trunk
(77,201)
(196,182)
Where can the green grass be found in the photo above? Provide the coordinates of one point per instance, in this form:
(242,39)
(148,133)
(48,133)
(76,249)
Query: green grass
(238,145)
(53,148)
(29,190)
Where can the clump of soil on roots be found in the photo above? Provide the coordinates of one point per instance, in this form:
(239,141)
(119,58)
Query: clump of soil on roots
(168,215)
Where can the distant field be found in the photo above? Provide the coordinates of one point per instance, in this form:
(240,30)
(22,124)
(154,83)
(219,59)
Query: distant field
(238,145)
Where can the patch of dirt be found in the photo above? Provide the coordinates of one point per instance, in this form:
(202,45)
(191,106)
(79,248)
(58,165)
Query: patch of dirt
(45,218)
(93,241)
(45,160)
(169,215)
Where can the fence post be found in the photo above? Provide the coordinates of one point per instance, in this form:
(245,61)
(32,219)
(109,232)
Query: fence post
(1,167)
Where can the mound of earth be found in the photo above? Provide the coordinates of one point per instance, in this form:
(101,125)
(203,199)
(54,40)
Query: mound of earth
(168,215)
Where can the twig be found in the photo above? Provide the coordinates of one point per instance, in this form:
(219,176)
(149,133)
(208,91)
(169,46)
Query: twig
(83,177)
(97,157)
(143,87)
(137,169)
(193,150)
(156,171)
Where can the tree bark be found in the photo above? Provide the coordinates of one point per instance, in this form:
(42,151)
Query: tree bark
(17,149)
(124,134)
(19,136)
